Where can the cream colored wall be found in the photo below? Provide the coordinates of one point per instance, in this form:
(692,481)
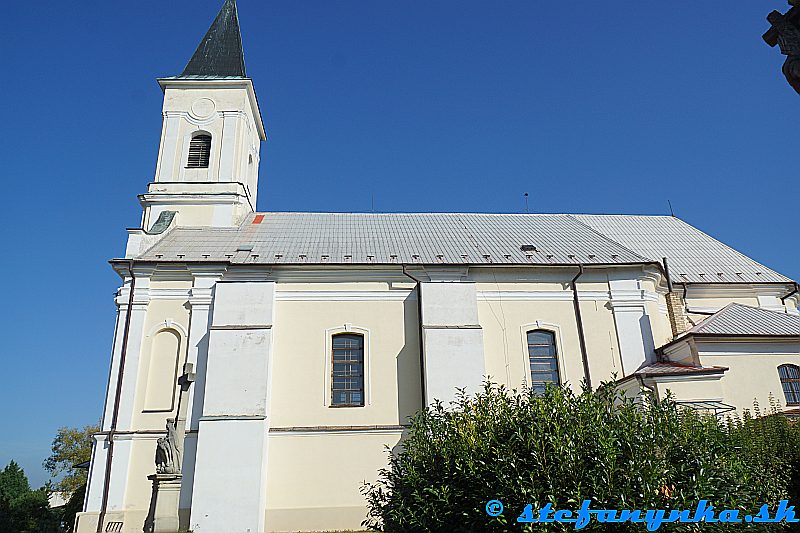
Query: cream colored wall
(753,371)
(300,384)
(314,479)
(691,387)
(505,325)
(506,320)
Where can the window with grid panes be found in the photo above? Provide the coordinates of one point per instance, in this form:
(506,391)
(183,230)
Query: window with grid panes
(790,381)
(348,370)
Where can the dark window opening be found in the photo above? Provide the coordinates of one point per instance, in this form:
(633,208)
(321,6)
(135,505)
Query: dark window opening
(790,381)
(199,151)
(348,371)
(543,359)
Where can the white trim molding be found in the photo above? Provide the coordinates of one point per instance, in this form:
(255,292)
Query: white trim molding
(546,326)
(328,366)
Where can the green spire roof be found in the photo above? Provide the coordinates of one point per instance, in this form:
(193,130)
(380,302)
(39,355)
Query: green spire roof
(219,54)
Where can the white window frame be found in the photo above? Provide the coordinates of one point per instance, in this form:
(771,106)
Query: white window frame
(327,400)
(555,329)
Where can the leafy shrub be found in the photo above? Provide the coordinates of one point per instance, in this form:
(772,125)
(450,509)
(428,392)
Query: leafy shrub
(563,447)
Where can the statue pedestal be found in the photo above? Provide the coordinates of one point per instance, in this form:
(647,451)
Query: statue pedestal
(166,498)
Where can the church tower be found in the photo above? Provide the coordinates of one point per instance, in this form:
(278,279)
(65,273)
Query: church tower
(207,170)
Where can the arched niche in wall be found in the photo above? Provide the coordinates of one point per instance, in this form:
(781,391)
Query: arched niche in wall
(162,372)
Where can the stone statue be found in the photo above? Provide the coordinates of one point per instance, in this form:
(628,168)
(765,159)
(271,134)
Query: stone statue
(785,32)
(168,451)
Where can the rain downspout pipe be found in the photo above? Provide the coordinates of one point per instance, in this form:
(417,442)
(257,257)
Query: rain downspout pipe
(115,416)
(794,291)
(581,334)
(420,332)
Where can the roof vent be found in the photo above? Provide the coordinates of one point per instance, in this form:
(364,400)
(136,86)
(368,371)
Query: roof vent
(528,248)
(245,248)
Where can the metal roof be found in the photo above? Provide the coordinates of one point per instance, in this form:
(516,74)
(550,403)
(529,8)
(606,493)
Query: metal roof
(693,256)
(669,368)
(418,238)
(738,319)
(465,238)
(220,53)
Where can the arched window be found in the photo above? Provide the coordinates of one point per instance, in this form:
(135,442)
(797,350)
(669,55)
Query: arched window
(348,370)
(790,381)
(199,151)
(543,359)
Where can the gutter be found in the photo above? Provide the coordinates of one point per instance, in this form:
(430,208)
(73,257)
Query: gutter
(118,394)
(420,333)
(581,335)
(792,293)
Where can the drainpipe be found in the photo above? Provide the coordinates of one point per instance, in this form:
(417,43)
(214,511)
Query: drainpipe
(421,343)
(579,320)
(794,291)
(118,393)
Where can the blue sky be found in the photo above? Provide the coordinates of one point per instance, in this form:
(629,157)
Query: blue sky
(591,107)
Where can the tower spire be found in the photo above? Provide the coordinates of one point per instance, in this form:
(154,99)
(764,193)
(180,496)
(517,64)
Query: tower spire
(219,54)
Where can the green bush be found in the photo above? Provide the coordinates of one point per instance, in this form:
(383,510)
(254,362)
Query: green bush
(563,447)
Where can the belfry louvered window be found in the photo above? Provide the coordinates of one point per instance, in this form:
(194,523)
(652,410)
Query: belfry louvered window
(790,381)
(199,151)
(348,370)
(543,360)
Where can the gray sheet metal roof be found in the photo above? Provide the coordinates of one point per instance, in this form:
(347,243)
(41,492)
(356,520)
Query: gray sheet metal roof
(738,319)
(418,238)
(693,256)
(465,238)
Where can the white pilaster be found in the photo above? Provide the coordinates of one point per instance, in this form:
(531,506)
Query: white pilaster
(170,150)
(452,340)
(229,492)
(227,158)
(138,311)
(200,299)
(634,332)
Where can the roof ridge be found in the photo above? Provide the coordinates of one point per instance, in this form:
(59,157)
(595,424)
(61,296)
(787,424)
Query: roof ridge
(603,235)
(709,320)
(760,310)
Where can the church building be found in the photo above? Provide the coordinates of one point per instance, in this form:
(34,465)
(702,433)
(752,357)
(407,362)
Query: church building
(263,362)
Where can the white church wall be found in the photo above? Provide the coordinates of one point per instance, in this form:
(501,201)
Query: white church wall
(231,457)
(452,338)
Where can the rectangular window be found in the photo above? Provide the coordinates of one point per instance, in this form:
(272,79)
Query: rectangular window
(790,381)
(348,371)
(542,358)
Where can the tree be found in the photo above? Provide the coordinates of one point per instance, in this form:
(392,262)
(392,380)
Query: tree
(23,510)
(563,447)
(71,446)
(13,482)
